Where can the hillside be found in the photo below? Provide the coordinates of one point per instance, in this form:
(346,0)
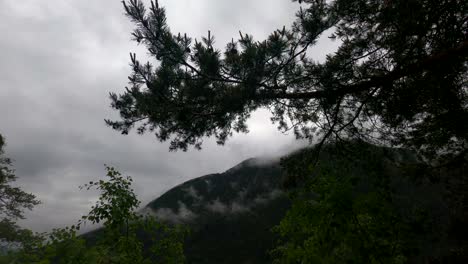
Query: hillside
(230,214)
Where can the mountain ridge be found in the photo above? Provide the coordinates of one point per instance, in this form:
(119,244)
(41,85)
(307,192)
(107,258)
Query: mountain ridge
(227,212)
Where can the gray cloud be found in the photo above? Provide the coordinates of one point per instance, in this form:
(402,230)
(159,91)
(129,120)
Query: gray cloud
(241,205)
(183,214)
(192,192)
(217,206)
(60,59)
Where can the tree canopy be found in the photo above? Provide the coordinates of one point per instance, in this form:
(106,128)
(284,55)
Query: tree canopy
(360,204)
(399,77)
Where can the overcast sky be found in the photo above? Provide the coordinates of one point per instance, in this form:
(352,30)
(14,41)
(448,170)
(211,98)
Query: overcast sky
(59,61)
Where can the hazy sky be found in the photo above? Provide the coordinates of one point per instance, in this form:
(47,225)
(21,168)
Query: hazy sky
(61,58)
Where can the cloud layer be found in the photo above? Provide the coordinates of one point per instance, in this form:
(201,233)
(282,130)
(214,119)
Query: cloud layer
(60,59)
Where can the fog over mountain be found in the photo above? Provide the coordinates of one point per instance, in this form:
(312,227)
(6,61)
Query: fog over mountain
(60,59)
(230,214)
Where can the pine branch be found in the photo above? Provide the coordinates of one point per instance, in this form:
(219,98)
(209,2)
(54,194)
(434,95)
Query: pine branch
(377,81)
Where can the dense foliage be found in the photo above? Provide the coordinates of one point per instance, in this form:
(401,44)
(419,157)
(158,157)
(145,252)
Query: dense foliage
(398,77)
(363,204)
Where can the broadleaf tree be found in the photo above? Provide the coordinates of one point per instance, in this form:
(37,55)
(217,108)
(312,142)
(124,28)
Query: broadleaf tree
(398,77)
(119,241)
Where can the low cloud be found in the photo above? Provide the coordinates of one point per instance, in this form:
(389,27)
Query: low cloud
(192,192)
(183,214)
(241,205)
(238,208)
(217,207)
(263,199)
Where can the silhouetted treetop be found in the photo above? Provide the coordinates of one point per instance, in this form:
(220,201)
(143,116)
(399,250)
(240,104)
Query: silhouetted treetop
(398,77)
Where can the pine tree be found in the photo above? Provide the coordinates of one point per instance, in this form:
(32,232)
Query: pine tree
(399,77)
